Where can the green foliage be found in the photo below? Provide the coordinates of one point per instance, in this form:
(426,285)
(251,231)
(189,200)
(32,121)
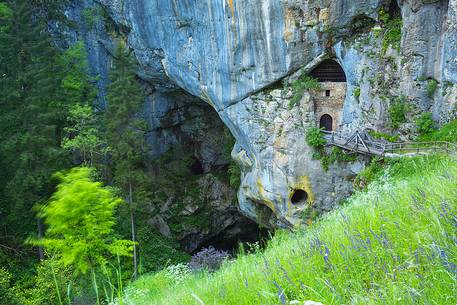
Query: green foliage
(299,87)
(425,124)
(234,172)
(357,92)
(336,155)
(32,117)
(432,85)
(314,138)
(7,293)
(80,219)
(5,16)
(84,135)
(392,33)
(157,251)
(360,251)
(447,132)
(125,132)
(397,112)
(385,136)
(370,173)
(92,15)
(361,24)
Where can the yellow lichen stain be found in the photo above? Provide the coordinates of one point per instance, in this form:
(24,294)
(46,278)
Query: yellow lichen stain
(303,183)
(289,26)
(232,7)
(264,198)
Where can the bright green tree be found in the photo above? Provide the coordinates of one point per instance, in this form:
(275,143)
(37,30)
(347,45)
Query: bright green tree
(126,134)
(80,217)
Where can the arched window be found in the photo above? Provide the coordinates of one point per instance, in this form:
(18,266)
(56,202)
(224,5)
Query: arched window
(326,122)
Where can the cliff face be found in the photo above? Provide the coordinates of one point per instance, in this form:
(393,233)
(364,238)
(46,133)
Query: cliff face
(242,57)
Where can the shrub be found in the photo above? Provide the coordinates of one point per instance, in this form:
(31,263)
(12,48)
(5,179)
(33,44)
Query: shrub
(397,112)
(234,172)
(208,259)
(7,294)
(299,87)
(370,173)
(432,85)
(392,34)
(385,136)
(314,138)
(425,124)
(357,92)
(447,132)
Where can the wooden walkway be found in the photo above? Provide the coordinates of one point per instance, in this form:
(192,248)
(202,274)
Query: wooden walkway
(362,143)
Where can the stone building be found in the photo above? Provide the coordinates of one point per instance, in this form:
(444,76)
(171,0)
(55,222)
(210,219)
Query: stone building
(328,102)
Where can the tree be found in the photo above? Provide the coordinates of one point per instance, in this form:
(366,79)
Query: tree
(126,134)
(33,113)
(80,217)
(84,134)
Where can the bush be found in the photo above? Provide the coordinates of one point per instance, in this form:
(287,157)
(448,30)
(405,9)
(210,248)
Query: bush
(357,92)
(208,259)
(392,34)
(425,124)
(447,132)
(432,85)
(397,112)
(7,294)
(385,136)
(369,174)
(299,87)
(314,138)
(234,172)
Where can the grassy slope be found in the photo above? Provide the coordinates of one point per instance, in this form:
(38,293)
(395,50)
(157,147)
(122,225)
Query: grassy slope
(393,244)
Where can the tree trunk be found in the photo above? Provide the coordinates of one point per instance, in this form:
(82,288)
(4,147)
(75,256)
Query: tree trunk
(132,222)
(40,236)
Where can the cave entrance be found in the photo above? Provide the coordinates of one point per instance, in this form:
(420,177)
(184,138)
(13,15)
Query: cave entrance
(196,167)
(299,197)
(394,9)
(243,231)
(326,122)
(329,100)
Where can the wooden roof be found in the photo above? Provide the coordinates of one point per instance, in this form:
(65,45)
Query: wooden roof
(328,71)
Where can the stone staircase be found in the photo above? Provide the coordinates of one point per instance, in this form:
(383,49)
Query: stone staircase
(362,143)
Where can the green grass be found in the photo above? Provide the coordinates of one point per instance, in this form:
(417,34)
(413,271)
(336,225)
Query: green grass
(395,243)
(447,132)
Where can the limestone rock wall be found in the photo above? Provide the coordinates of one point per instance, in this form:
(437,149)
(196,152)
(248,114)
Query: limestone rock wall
(242,56)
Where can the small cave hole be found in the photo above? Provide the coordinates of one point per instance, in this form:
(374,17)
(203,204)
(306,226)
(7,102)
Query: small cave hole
(196,168)
(394,9)
(299,196)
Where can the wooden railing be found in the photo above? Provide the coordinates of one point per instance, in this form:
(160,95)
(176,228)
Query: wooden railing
(360,142)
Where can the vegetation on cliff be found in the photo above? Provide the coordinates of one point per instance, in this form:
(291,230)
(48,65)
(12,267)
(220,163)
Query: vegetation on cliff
(392,244)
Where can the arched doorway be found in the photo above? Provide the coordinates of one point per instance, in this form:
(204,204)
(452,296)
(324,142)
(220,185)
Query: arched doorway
(326,122)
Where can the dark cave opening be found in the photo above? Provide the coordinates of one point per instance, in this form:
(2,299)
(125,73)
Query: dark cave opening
(299,196)
(196,167)
(243,231)
(394,9)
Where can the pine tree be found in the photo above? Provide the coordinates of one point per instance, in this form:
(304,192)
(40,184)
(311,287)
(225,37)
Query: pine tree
(126,134)
(32,112)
